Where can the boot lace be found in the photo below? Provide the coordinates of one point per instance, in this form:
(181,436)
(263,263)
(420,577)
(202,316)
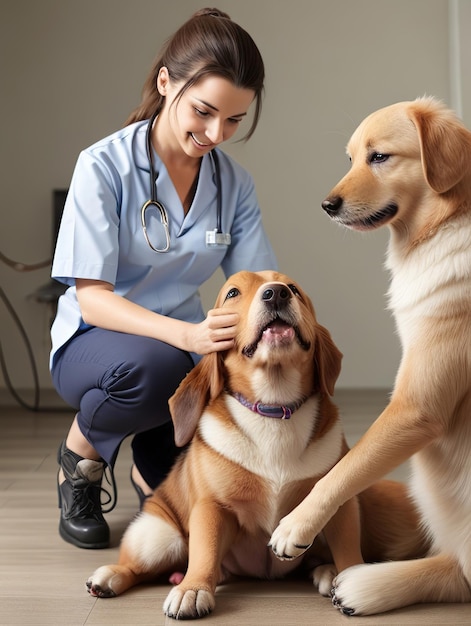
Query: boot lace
(112,497)
(88,497)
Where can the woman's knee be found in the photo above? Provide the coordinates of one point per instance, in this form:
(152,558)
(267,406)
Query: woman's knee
(149,378)
(107,372)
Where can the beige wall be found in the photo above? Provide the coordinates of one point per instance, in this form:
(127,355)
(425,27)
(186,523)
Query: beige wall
(71,72)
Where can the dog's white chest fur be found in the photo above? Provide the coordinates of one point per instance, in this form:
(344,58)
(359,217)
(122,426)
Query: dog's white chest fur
(280,451)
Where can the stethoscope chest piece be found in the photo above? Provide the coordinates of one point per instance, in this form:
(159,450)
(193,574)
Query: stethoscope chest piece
(164,222)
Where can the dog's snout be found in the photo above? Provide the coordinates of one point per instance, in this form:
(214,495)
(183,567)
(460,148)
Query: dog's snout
(332,205)
(276,295)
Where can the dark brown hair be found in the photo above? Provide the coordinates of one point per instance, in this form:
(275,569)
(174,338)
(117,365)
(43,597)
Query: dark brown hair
(208,44)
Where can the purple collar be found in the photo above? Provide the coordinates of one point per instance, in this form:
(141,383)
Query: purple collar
(269,410)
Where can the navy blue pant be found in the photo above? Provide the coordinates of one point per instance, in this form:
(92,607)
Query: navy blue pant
(120,385)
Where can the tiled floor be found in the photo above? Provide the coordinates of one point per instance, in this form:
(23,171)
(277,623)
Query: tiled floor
(42,578)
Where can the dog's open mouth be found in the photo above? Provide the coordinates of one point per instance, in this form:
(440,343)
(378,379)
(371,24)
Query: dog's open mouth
(276,333)
(374,220)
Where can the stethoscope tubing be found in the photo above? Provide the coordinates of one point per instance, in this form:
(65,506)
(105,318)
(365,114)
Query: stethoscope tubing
(153,191)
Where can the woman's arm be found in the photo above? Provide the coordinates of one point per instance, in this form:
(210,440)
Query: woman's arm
(101,307)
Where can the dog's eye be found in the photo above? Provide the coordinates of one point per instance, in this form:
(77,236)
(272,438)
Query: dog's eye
(378,157)
(294,289)
(232,293)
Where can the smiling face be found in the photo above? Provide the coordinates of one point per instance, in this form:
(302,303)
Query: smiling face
(207,114)
(275,340)
(281,352)
(274,314)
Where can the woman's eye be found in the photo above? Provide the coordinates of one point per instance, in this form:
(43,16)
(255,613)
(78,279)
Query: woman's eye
(200,112)
(232,293)
(378,157)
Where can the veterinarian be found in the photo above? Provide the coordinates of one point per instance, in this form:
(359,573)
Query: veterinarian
(152,211)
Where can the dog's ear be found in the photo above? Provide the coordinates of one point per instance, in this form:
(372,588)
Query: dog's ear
(327,361)
(445,146)
(204,383)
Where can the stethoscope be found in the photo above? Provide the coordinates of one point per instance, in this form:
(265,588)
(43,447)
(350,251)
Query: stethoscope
(213,237)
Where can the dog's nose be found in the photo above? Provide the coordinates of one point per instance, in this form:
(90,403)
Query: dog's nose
(332,205)
(276,296)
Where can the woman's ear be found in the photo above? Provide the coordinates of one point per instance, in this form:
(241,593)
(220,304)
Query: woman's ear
(163,79)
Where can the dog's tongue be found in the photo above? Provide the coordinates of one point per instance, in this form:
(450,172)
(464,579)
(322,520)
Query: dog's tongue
(277,331)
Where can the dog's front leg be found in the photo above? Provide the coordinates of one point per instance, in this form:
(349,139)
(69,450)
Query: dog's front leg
(212,531)
(398,433)
(343,536)
(296,531)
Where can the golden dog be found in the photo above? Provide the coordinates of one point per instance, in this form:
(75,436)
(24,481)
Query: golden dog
(411,170)
(263,431)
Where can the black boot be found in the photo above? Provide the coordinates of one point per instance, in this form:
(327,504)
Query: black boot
(82,522)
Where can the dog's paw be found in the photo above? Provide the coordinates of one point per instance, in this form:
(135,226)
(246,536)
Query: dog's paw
(102,583)
(351,590)
(289,540)
(185,603)
(378,587)
(323,577)
(365,590)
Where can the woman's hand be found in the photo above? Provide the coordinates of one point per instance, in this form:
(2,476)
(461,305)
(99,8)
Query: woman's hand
(100,306)
(215,333)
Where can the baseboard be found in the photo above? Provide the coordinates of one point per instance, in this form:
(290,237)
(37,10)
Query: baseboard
(47,398)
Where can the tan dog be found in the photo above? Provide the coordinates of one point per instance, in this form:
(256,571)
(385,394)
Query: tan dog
(265,430)
(411,170)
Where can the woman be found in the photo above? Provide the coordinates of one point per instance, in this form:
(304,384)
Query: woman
(131,324)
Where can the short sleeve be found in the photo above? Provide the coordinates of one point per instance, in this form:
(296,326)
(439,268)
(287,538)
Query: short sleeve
(87,243)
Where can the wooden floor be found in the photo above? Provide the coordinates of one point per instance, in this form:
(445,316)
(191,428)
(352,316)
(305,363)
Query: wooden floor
(42,577)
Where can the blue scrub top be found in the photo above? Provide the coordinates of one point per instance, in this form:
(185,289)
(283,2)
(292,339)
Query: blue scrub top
(101,236)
